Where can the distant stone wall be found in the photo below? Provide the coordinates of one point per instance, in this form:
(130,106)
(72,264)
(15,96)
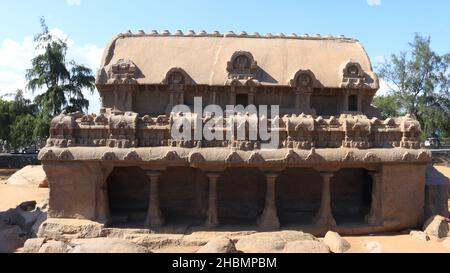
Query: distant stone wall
(10,161)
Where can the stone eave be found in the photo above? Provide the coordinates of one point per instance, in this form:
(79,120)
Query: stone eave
(225,156)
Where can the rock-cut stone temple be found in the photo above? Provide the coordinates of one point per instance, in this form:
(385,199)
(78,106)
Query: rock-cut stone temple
(337,165)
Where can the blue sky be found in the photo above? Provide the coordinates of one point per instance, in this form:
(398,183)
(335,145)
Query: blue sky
(383,26)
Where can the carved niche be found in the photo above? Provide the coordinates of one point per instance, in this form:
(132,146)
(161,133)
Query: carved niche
(353,75)
(176,78)
(242,66)
(123,72)
(303,80)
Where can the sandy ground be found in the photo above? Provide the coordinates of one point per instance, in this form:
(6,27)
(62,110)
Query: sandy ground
(11,196)
(396,244)
(5,174)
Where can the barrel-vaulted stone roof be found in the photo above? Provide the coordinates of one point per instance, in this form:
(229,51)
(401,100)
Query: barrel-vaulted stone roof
(205,58)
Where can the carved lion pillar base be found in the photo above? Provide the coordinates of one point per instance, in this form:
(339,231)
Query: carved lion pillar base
(324,217)
(213,215)
(269,218)
(154,217)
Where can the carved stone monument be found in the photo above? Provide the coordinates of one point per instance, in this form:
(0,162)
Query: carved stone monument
(337,166)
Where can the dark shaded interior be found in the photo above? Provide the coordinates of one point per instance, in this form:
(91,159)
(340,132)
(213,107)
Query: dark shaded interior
(298,195)
(242,99)
(183,195)
(128,195)
(241,195)
(352,103)
(351,195)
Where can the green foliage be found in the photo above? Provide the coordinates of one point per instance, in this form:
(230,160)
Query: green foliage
(22,131)
(388,106)
(20,123)
(419,83)
(62,81)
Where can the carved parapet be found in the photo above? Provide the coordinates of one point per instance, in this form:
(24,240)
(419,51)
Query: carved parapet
(353,76)
(124,71)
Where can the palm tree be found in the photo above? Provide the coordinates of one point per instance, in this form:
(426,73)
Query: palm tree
(61,81)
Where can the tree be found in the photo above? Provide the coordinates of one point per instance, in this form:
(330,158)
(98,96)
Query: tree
(63,81)
(419,81)
(15,117)
(388,106)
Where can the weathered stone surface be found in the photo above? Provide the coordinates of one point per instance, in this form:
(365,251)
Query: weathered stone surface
(218,245)
(11,238)
(419,235)
(28,206)
(436,193)
(372,246)
(261,243)
(336,243)
(63,229)
(55,247)
(30,175)
(436,227)
(270,242)
(106,245)
(28,221)
(307,246)
(33,245)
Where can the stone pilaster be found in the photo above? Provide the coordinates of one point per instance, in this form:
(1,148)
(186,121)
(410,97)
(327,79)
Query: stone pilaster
(376,210)
(346,95)
(324,217)
(297,100)
(213,215)
(154,216)
(359,102)
(269,218)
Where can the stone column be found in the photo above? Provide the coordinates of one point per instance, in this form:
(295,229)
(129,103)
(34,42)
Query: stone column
(251,98)
(297,100)
(324,217)
(376,211)
(307,98)
(213,97)
(359,102)
(213,218)
(346,94)
(181,98)
(269,218)
(154,216)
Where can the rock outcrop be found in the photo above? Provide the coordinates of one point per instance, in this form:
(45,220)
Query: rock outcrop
(30,175)
(219,245)
(336,243)
(436,227)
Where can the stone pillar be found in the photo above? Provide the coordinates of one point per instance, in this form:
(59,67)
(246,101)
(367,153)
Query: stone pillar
(324,217)
(232,98)
(181,98)
(213,215)
(376,211)
(213,97)
(297,100)
(307,98)
(346,94)
(154,216)
(251,98)
(359,102)
(269,218)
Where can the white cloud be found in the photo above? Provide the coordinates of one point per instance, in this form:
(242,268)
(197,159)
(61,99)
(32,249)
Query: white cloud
(73,2)
(374,2)
(15,59)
